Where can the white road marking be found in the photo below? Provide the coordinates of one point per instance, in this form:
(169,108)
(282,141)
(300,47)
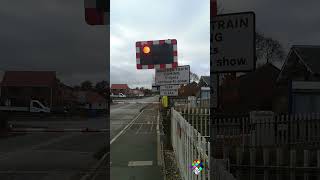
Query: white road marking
(139,129)
(125,128)
(140,163)
(151,127)
(62,151)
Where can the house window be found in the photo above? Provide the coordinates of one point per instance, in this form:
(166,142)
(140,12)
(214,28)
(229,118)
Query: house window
(305,103)
(205,94)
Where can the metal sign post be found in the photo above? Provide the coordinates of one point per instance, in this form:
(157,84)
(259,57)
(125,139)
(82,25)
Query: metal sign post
(232,49)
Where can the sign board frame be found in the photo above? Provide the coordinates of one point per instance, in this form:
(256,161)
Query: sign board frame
(252,64)
(167,70)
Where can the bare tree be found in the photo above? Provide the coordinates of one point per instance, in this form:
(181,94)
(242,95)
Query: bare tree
(268,49)
(86,85)
(194,77)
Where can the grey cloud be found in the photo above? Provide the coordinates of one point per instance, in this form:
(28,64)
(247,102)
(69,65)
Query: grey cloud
(291,22)
(52,35)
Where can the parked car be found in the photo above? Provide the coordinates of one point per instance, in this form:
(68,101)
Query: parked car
(120,95)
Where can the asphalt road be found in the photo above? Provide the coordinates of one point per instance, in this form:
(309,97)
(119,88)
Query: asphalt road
(64,155)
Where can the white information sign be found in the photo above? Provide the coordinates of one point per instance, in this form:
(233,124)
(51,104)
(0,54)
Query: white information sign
(169,90)
(169,76)
(233,42)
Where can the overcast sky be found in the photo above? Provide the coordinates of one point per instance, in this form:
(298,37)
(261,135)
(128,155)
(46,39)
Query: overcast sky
(291,22)
(52,35)
(142,20)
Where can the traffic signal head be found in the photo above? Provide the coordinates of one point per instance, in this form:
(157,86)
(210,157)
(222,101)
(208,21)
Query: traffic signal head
(156,54)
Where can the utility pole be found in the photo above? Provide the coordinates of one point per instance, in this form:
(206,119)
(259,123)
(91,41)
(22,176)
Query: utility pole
(213,13)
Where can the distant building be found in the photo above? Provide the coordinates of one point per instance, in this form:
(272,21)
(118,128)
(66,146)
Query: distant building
(66,96)
(191,89)
(155,89)
(251,91)
(204,81)
(136,92)
(299,80)
(91,100)
(204,96)
(120,88)
(19,87)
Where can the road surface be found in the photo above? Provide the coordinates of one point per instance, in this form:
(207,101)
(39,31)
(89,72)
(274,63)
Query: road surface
(60,155)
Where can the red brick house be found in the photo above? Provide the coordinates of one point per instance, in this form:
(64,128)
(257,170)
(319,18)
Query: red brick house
(66,96)
(21,86)
(191,89)
(120,88)
(92,100)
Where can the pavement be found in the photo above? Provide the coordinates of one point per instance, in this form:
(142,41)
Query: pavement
(134,154)
(134,149)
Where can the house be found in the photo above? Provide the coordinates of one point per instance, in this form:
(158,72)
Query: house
(66,97)
(191,89)
(204,81)
(95,101)
(155,89)
(299,80)
(136,92)
(204,96)
(251,91)
(120,88)
(90,100)
(19,87)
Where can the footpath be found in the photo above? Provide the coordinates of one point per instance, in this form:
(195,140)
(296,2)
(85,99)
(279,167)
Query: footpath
(134,154)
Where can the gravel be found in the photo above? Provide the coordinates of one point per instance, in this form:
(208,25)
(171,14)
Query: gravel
(171,167)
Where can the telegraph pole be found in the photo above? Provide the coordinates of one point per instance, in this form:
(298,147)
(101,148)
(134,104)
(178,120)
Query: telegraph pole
(213,13)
